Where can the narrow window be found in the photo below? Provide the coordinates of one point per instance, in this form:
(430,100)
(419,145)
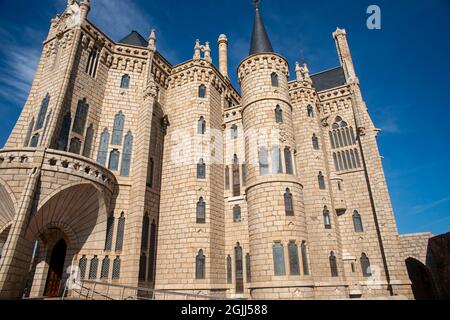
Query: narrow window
(93,268)
(288,161)
(127,153)
(336,164)
(336,140)
(277,167)
(326,218)
(151,266)
(234,132)
(358,162)
(353,267)
(202,91)
(237,213)
(278,115)
(353,158)
(125,82)
(145,231)
(357,222)
(341,162)
(344,137)
(201,169)
(227,178)
(305,259)
(278,259)
(349,138)
(82,264)
(103,147)
(34,141)
(47,121)
(114,160)
(333,265)
(91,66)
(263,161)
(26,142)
(42,112)
(81,115)
(352,134)
(116,268)
(120,232)
(244,174)
(109,232)
(365,266)
(349,159)
(274,79)
(310,111)
(150,173)
(239,269)
(249,268)
(321,179)
(200,264)
(142,267)
(63,138)
(201,127)
(201,211)
(119,123)
(331,140)
(294,265)
(344,158)
(104,274)
(75,146)
(229,270)
(89,138)
(315,142)
(288,203)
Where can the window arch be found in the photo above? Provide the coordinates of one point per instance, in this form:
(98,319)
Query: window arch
(239,263)
(263,161)
(87,148)
(119,124)
(274,79)
(365,266)
(82,264)
(321,179)
(229,270)
(237,217)
(63,138)
(310,110)
(202,91)
(109,232)
(244,174)
(288,161)
(93,268)
(42,112)
(294,264)
(120,232)
(278,259)
(236,177)
(75,146)
(288,203)
(315,142)
(234,132)
(201,169)
(116,268)
(127,153)
(114,157)
(200,265)
(26,142)
(326,218)
(35,141)
(249,268)
(278,115)
(277,166)
(201,126)
(357,222)
(104,274)
(103,147)
(81,115)
(201,211)
(305,259)
(333,265)
(125,82)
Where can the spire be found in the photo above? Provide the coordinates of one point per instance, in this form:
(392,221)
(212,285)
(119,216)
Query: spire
(260,39)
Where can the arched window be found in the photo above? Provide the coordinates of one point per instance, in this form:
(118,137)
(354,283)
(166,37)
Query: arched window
(202,91)
(357,222)
(263,161)
(288,161)
(278,115)
(75,146)
(315,142)
(321,180)
(82,264)
(92,64)
(365,266)
(234,132)
(151,264)
(288,203)
(274,79)
(80,117)
(201,211)
(109,232)
(116,268)
(278,259)
(336,163)
(305,259)
(42,112)
(353,158)
(127,153)
(333,265)
(114,157)
(63,138)
(125,82)
(201,169)
(119,124)
(150,173)
(87,148)
(26,142)
(227,178)
(145,230)
(103,147)
(236,177)
(229,270)
(277,167)
(294,264)
(331,140)
(249,268)
(310,111)
(93,268)
(142,267)
(244,174)
(104,274)
(237,213)
(201,127)
(239,268)
(326,218)
(34,141)
(200,265)
(120,232)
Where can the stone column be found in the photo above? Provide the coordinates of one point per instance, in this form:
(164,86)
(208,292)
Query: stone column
(223,55)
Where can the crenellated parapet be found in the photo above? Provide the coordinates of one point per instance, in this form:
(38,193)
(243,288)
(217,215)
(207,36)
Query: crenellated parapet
(269,61)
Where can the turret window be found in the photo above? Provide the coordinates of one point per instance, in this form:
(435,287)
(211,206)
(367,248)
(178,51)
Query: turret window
(357,222)
(114,160)
(125,82)
(274,79)
(201,169)
(288,203)
(315,142)
(119,123)
(202,91)
(278,115)
(277,167)
(333,265)
(321,179)
(263,161)
(201,127)
(80,117)
(200,265)
(310,110)
(294,265)
(305,259)
(278,260)
(244,174)
(201,211)
(288,161)
(237,213)
(326,218)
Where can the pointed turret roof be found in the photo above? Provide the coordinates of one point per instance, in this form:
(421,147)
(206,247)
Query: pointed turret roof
(134,39)
(260,39)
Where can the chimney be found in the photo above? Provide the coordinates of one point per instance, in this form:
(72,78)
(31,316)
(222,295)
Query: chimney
(223,55)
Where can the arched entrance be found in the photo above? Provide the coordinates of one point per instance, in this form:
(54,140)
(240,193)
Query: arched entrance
(56,270)
(422,281)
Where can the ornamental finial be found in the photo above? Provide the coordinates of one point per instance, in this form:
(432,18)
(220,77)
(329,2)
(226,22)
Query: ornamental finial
(256,3)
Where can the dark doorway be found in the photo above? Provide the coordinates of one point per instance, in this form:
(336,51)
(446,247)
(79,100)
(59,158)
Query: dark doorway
(422,280)
(239,270)
(56,269)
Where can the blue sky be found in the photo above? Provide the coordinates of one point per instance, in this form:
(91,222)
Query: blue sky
(404,70)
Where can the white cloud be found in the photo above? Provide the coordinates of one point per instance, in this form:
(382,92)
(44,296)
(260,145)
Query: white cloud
(428,206)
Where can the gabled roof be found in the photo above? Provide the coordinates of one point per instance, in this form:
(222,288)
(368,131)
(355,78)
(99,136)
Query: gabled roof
(329,79)
(134,39)
(260,39)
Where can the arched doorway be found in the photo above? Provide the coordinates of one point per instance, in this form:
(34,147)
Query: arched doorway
(422,280)
(56,270)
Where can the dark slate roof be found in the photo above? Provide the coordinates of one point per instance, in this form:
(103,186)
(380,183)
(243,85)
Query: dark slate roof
(134,39)
(329,79)
(260,39)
